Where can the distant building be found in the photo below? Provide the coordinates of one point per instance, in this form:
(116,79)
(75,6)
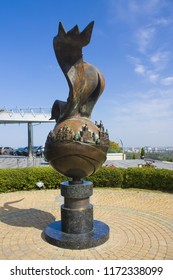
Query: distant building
(116,156)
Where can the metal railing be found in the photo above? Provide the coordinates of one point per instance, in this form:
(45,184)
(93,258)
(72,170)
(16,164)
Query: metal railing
(25,115)
(22,111)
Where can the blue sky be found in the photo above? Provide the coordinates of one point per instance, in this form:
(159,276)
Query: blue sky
(131,44)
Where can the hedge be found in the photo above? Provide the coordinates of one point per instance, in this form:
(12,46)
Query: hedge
(148,178)
(26,178)
(143,178)
(107,177)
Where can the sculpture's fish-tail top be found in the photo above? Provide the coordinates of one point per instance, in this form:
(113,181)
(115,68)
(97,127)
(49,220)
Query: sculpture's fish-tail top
(85,81)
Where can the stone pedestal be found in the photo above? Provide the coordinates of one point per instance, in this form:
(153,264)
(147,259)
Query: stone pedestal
(77,229)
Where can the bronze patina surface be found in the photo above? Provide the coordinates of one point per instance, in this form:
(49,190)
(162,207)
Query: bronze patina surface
(76,147)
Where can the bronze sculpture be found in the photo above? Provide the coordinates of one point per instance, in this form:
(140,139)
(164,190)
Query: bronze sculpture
(76,147)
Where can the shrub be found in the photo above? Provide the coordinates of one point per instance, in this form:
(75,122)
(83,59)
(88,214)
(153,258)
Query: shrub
(143,178)
(26,178)
(148,178)
(107,177)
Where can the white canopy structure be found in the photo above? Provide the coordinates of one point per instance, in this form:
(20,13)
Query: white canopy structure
(28,116)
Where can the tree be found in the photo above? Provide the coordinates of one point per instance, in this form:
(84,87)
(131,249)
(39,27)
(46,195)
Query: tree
(114,147)
(142,153)
(134,156)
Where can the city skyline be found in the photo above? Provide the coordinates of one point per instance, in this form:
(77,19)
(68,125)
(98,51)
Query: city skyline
(131,45)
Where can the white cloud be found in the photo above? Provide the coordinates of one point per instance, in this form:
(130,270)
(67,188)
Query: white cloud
(152,76)
(145,119)
(133,59)
(153,104)
(146,7)
(145,116)
(160,59)
(151,66)
(167,81)
(151,41)
(162,21)
(144,38)
(130,11)
(146,71)
(140,69)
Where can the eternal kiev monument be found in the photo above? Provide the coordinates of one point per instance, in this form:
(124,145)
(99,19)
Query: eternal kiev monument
(76,147)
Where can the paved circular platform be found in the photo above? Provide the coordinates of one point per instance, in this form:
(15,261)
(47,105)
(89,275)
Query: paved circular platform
(141,225)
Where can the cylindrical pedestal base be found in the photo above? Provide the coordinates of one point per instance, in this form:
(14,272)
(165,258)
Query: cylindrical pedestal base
(55,236)
(77,221)
(77,229)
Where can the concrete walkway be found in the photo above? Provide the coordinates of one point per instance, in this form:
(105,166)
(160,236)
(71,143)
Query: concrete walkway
(141,225)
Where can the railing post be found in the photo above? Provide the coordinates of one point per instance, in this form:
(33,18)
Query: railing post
(30,139)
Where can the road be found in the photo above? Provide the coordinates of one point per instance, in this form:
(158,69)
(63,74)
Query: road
(20,161)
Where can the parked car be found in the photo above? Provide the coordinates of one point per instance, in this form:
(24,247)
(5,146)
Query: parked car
(18,152)
(6,150)
(40,151)
(25,151)
(148,163)
(22,151)
(1,150)
(36,151)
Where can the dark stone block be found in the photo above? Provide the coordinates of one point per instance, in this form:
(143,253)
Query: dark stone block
(80,190)
(77,221)
(55,236)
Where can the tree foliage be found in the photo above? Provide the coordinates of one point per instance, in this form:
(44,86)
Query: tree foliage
(114,147)
(142,153)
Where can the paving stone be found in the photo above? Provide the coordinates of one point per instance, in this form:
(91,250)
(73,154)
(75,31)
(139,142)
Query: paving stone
(141,225)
